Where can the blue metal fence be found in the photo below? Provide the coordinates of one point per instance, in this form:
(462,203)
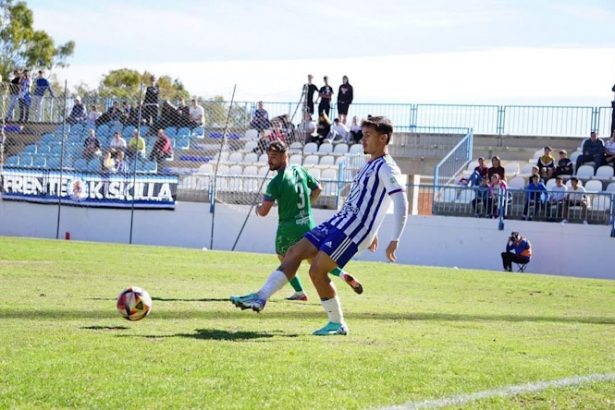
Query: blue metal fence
(455,161)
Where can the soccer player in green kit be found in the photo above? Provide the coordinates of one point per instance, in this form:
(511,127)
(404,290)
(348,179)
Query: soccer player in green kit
(295,190)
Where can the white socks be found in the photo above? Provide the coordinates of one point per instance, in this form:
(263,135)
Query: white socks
(333,309)
(275,282)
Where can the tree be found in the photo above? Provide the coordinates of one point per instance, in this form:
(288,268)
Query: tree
(21,46)
(126,83)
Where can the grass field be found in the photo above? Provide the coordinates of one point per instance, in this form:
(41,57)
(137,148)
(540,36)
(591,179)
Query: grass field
(416,334)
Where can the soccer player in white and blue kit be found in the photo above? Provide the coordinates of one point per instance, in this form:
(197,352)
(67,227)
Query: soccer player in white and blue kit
(350,231)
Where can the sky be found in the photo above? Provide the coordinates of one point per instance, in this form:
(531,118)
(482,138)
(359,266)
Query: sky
(527,52)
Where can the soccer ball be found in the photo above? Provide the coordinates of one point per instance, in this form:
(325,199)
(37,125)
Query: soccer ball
(134,303)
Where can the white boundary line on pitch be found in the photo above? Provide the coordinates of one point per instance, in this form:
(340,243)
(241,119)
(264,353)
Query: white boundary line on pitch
(507,391)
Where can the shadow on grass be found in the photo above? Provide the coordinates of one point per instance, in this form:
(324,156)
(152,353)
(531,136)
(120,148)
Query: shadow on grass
(105,328)
(232,313)
(217,334)
(173,300)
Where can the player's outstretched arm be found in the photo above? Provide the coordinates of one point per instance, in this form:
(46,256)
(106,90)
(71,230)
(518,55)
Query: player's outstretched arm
(263,208)
(315,194)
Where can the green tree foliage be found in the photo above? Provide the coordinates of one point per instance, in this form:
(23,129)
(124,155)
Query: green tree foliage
(127,83)
(21,46)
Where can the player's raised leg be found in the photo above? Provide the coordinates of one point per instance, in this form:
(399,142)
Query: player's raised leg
(287,270)
(351,280)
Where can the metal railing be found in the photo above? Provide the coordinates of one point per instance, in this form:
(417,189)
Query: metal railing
(455,161)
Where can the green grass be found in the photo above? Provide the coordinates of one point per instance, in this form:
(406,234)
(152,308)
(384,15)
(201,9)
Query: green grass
(416,334)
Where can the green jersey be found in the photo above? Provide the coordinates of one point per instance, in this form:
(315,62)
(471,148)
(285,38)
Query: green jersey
(291,188)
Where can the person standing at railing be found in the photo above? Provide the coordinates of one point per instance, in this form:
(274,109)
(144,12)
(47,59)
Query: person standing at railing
(345,96)
(25,98)
(13,95)
(151,102)
(498,196)
(535,192)
(325,94)
(593,150)
(310,90)
(42,86)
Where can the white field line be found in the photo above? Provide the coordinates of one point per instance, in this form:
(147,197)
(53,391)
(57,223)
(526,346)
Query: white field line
(507,391)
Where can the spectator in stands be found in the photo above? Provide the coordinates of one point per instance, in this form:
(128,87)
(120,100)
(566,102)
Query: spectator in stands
(498,196)
(162,150)
(13,94)
(535,193)
(322,129)
(479,173)
(310,90)
(307,128)
(91,146)
(576,197)
(356,134)
(557,196)
(564,165)
(169,117)
(481,197)
(136,145)
(197,115)
(115,112)
(184,112)
(93,115)
(25,98)
(609,151)
(287,127)
(593,150)
(345,96)
(126,112)
(325,94)
(42,86)
(78,113)
(260,121)
(121,166)
(136,116)
(150,102)
(518,250)
(546,164)
(496,168)
(108,163)
(340,129)
(118,143)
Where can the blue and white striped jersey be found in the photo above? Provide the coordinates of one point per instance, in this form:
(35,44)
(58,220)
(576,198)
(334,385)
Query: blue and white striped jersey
(368,201)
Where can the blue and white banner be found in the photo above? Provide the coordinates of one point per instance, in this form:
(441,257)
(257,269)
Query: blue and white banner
(90,189)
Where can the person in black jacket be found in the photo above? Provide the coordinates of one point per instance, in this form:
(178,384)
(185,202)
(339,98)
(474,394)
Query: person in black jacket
(564,165)
(344,99)
(150,102)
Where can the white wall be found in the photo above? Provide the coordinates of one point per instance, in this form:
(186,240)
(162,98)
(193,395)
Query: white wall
(573,250)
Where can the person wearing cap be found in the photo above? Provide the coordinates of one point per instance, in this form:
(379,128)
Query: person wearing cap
(78,113)
(576,197)
(518,250)
(564,165)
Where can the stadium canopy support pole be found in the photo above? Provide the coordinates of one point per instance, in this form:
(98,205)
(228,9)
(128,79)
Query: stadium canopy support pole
(214,189)
(62,161)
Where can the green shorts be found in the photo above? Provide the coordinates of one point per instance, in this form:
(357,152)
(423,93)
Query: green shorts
(288,235)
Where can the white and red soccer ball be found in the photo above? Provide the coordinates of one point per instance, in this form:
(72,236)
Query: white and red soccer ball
(134,303)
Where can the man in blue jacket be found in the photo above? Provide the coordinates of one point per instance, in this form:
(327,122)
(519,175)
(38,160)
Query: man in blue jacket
(42,86)
(518,250)
(535,192)
(593,150)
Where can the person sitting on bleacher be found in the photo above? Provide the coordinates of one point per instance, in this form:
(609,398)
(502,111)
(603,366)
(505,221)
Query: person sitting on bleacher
(498,195)
(535,192)
(479,173)
(496,168)
(609,151)
(576,197)
(518,250)
(557,195)
(593,150)
(481,197)
(564,165)
(546,164)
(78,113)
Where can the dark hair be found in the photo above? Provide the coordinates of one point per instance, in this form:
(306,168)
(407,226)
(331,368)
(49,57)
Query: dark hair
(574,179)
(548,147)
(381,124)
(277,146)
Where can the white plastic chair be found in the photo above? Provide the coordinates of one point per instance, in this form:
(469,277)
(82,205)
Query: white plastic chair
(295,159)
(327,160)
(517,182)
(250,158)
(325,148)
(356,149)
(310,148)
(585,172)
(310,160)
(251,135)
(550,184)
(604,172)
(315,172)
(574,156)
(235,170)
(340,149)
(250,184)
(235,157)
(526,169)
(447,195)
(610,187)
(263,159)
(593,186)
(601,203)
(327,175)
(538,154)
(250,145)
(466,196)
(512,168)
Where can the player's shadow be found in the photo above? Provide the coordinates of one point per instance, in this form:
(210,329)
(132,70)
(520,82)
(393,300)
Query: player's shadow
(218,334)
(105,327)
(189,300)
